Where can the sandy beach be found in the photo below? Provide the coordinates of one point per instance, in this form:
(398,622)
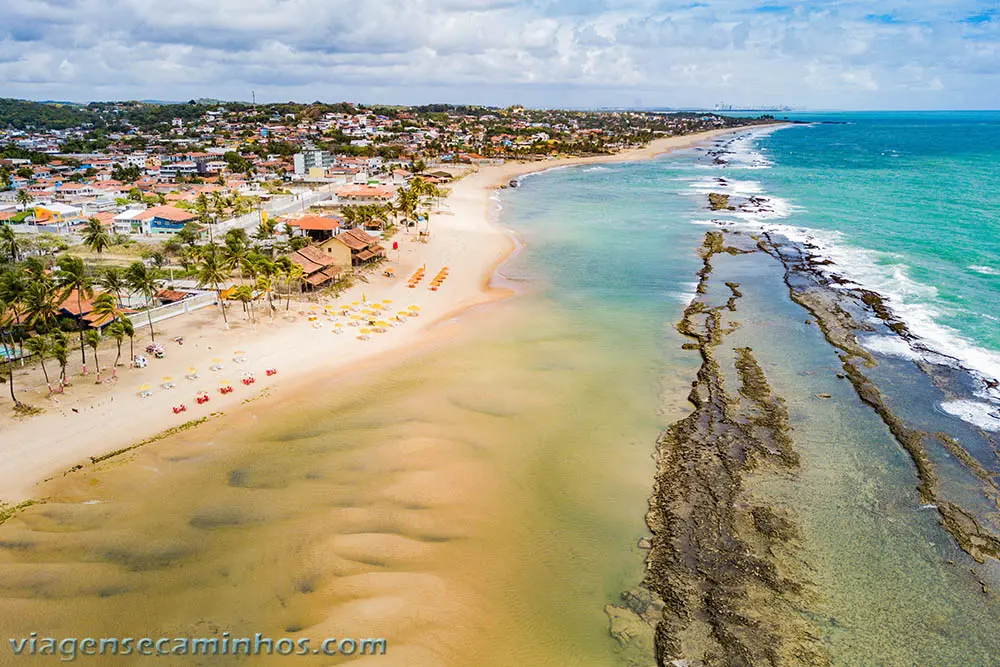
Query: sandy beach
(91,420)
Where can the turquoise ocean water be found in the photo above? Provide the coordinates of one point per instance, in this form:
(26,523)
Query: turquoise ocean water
(902,204)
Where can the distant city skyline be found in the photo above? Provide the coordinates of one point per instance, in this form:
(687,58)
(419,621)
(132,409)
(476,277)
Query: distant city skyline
(841,54)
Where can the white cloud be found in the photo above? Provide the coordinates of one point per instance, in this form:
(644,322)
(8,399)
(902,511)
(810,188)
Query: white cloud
(543,52)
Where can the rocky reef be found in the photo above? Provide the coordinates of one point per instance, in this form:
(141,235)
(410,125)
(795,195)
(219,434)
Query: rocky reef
(725,582)
(842,314)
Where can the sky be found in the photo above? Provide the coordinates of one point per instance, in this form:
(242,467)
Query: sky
(847,54)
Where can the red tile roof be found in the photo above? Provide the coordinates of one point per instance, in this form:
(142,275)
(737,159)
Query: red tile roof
(314,223)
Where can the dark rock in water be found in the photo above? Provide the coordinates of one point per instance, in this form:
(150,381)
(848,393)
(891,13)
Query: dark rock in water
(515,183)
(729,574)
(718,202)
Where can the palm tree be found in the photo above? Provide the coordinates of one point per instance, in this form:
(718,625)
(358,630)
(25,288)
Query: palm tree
(93,340)
(142,280)
(114,281)
(129,330)
(24,198)
(106,306)
(96,237)
(117,331)
(295,276)
(41,303)
(73,277)
(12,291)
(210,272)
(244,294)
(6,317)
(41,346)
(9,244)
(60,352)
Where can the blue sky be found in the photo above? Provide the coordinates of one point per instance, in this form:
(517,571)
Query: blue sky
(933,54)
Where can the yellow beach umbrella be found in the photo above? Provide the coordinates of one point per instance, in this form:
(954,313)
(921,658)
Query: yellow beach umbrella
(357,317)
(339,325)
(192,370)
(414,308)
(386,300)
(216,361)
(167,378)
(145,387)
(224,383)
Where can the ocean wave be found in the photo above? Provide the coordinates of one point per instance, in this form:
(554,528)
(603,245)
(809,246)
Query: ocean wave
(597,169)
(985,270)
(984,415)
(915,303)
(685,296)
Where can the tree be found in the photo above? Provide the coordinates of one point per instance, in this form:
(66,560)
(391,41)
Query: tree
(10,246)
(41,347)
(41,304)
(72,277)
(113,280)
(129,330)
(142,280)
(23,197)
(117,331)
(7,344)
(295,277)
(93,340)
(60,352)
(106,306)
(210,272)
(95,236)
(244,294)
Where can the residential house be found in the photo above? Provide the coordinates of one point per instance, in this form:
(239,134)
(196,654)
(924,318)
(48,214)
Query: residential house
(165,219)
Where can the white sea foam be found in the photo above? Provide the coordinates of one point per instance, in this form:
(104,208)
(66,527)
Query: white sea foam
(892,346)
(685,296)
(984,415)
(882,272)
(597,169)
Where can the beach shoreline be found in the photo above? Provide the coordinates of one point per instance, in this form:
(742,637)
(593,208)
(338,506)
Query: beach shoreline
(92,421)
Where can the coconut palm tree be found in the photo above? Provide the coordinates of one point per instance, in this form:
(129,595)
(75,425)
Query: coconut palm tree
(12,291)
(113,280)
(41,347)
(93,340)
(95,236)
(72,277)
(117,331)
(106,306)
(129,330)
(7,345)
(24,198)
(10,246)
(142,280)
(60,352)
(244,294)
(41,303)
(296,275)
(211,272)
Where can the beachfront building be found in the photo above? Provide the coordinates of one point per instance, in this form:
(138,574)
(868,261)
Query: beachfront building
(366,194)
(319,269)
(164,219)
(318,228)
(363,247)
